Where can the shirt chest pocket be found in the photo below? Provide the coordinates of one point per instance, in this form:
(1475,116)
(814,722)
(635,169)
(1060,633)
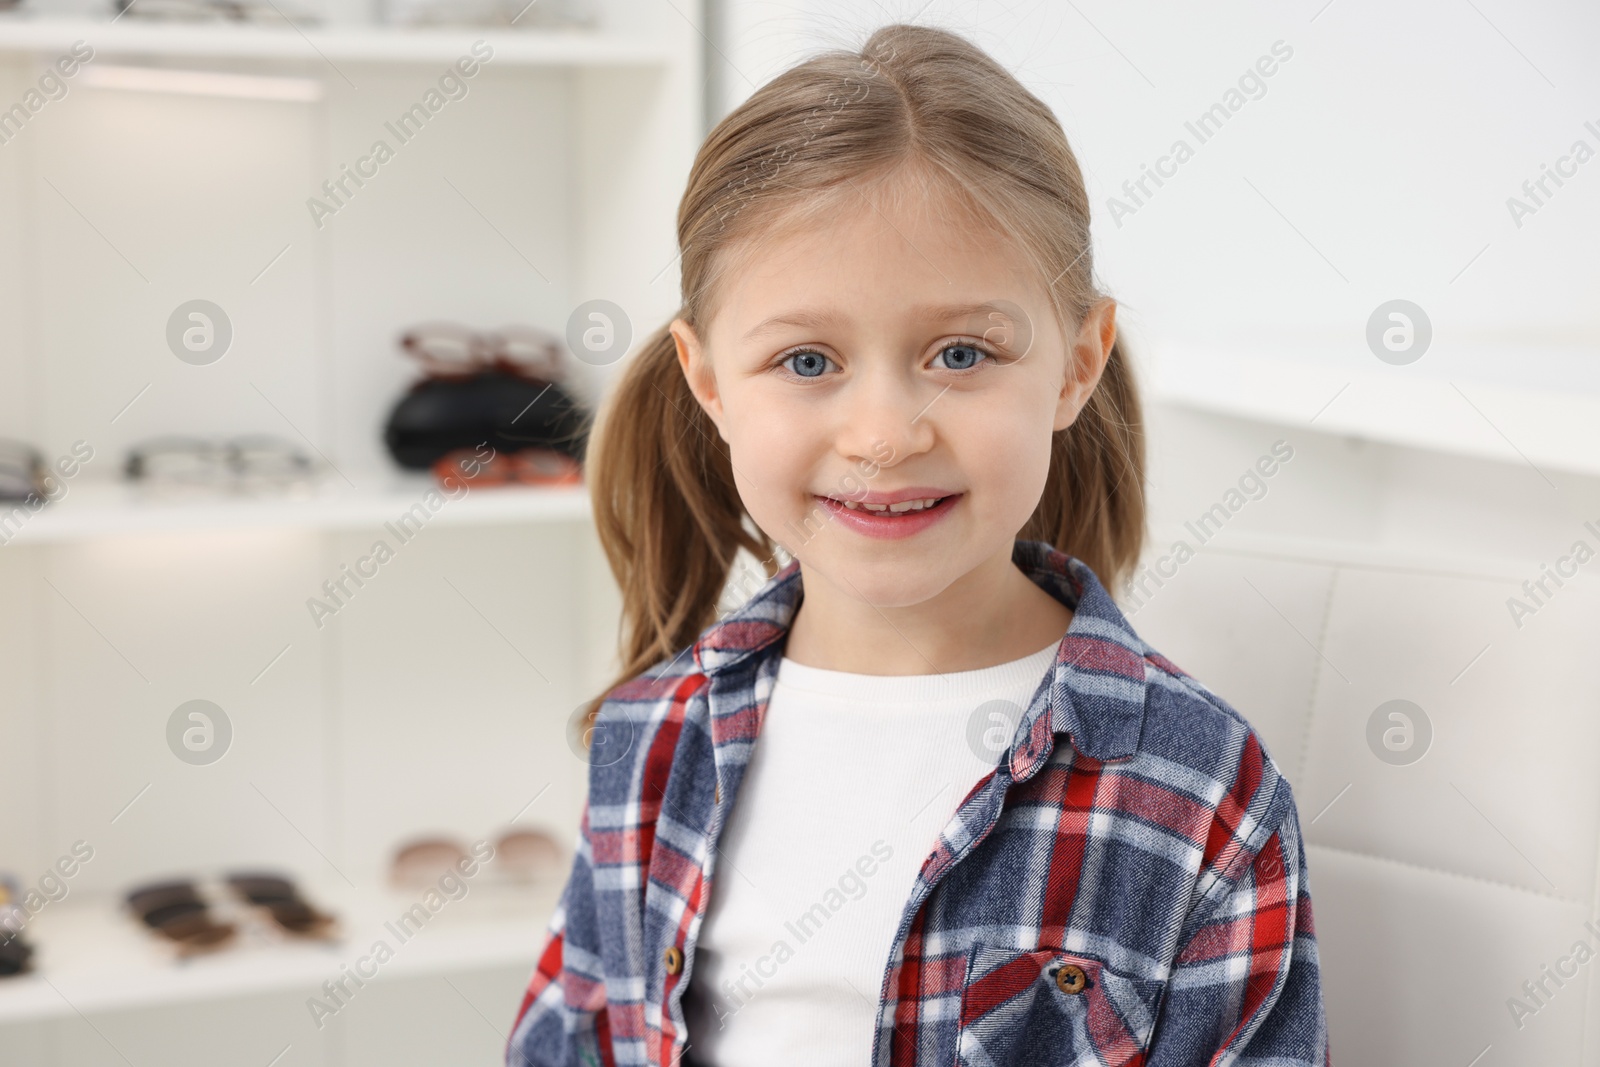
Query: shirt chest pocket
(1049,1007)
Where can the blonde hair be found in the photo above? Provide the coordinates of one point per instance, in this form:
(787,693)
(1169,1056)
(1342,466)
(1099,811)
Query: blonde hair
(669,517)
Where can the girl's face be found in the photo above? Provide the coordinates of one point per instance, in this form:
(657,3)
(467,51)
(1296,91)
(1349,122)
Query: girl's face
(891,354)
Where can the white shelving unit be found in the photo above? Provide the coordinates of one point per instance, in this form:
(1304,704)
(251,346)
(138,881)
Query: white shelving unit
(438,698)
(376,44)
(1471,402)
(97,959)
(98,510)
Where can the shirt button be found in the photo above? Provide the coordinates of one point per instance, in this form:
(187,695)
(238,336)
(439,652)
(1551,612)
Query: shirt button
(673,958)
(1070,979)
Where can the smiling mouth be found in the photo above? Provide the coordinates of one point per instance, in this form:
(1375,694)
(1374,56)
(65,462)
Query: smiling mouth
(902,508)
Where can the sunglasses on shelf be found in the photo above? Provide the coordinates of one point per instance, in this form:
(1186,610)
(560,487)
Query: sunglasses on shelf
(256,461)
(15,953)
(530,466)
(209,10)
(519,856)
(22,471)
(177,911)
(491,13)
(448,349)
(281,900)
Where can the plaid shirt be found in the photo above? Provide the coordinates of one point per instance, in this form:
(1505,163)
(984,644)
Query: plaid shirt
(1133,894)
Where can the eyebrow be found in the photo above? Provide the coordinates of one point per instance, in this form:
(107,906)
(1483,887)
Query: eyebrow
(817,318)
(805,319)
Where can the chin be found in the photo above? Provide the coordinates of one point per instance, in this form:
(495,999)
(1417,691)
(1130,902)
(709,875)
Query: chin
(885,574)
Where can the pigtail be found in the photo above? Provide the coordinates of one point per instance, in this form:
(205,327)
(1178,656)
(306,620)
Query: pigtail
(1093,504)
(668,514)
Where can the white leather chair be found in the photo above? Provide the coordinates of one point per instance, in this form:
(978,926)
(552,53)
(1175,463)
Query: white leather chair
(1441,885)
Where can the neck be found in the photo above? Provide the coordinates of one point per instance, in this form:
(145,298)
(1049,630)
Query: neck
(992,614)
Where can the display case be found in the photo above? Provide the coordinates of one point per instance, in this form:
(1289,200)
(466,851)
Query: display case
(186,161)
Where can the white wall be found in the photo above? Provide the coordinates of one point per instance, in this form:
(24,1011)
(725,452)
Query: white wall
(1391,140)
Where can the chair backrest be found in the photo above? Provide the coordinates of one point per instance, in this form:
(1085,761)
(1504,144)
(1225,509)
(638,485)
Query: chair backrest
(1440,725)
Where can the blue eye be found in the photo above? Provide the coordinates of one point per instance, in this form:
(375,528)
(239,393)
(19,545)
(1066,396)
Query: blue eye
(969,356)
(806,364)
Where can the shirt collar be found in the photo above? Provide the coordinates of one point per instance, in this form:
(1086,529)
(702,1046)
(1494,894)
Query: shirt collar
(1097,690)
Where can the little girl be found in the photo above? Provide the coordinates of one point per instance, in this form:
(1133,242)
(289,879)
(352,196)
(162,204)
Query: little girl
(925,798)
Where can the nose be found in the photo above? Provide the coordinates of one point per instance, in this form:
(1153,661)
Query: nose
(885,415)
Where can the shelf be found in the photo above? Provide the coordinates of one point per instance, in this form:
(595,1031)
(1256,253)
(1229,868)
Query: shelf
(107,509)
(1424,557)
(377,44)
(1484,402)
(91,957)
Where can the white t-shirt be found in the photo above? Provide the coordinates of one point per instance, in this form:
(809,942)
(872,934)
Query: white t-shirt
(852,778)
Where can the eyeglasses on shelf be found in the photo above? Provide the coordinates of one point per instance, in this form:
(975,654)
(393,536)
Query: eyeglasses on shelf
(449,349)
(238,463)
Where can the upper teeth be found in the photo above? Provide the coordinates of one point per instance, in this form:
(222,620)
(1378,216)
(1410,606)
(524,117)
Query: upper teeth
(904,505)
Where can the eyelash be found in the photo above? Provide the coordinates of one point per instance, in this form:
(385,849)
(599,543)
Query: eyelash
(988,353)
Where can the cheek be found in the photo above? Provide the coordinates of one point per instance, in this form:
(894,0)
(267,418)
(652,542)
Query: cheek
(775,449)
(1005,451)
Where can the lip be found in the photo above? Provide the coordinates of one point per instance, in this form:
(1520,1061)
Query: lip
(888,528)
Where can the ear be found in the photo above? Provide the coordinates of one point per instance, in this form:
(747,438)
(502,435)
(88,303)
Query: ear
(1086,361)
(697,371)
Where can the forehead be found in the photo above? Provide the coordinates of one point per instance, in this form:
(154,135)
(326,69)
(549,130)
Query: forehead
(879,252)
